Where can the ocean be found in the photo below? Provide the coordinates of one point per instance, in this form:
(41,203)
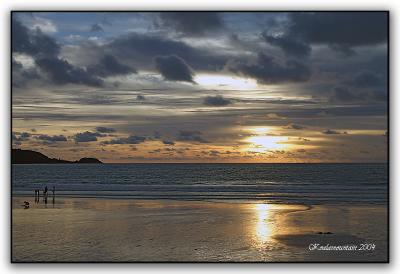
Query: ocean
(270,183)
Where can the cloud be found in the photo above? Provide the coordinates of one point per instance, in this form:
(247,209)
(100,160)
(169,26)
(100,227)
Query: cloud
(44,50)
(267,71)
(140,97)
(96,28)
(105,129)
(342,94)
(174,68)
(22,76)
(274,116)
(131,139)
(192,23)
(110,66)
(216,101)
(367,79)
(62,72)
(191,136)
(51,139)
(32,42)
(87,136)
(140,47)
(19,137)
(289,46)
(340,29)
(331,132)
(295,126)
(168,142)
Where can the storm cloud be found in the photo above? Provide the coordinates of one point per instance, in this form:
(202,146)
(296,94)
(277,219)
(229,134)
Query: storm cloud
(174,68)
(288,45)
(344,29)
(105,129)
(131,139)
(51,138)
(192,23)
(62,72)
(110,66)
(216,101)
(191,136)
(267,71)
(87,136)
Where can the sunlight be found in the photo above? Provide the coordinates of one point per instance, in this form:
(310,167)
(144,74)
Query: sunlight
(263,227)
(263,143)
(224,81)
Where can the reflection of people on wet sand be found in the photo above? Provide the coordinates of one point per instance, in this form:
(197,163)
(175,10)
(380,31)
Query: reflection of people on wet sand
(54,194)
(45,195)
(37,195)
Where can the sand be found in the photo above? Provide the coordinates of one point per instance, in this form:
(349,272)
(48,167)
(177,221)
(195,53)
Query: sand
(94,229)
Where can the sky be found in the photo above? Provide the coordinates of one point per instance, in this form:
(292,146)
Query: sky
(238,87)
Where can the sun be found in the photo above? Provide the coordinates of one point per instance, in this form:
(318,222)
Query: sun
(262,140)
(264,143)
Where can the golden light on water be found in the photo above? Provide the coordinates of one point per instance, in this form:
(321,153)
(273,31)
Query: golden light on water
(263,228)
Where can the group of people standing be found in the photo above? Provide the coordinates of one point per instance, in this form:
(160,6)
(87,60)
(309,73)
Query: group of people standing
(45,194)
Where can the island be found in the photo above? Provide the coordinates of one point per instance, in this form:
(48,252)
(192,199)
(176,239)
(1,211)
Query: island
(21,156)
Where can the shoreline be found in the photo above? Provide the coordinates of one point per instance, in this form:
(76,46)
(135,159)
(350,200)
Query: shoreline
(198,198)
(129,230)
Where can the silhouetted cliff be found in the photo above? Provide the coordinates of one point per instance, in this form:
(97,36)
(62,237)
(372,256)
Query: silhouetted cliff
(20,156)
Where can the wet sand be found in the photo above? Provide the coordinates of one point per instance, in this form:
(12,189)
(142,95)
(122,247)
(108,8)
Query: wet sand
(94,229)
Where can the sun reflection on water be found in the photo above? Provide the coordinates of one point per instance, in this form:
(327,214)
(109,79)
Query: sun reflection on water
(263,225)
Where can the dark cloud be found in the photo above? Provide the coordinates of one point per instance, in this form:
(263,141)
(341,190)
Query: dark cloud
(267,71)
(87,136)
(131,139)
(192,23)
(341,29)
(331,132)
(140,97)
(52,139)
(216,101)
(174,68)
(288,45)
(44,49)
(21,76)
(191,136)
(32,42)
(367,79)
(110,66)
(105,129)
(295,126)
(19,137)
(141,47)
(342,94)
(96,28)
(62,72)
(379,95)
(168,142)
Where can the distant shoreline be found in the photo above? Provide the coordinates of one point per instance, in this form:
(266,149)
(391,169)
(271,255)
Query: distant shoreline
(21,156)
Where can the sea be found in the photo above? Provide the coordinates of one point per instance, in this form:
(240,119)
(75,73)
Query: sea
(270,183)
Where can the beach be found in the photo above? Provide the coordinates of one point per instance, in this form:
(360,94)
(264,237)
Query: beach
(166,230)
